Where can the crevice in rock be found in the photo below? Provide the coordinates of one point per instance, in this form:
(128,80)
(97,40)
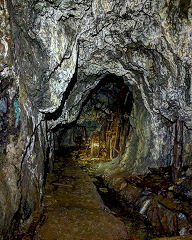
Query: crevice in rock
(27,148)
(133,131)
(57,113)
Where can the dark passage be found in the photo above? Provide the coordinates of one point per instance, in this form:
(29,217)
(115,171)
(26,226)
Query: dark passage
(103,125)
(78,205)
(90,195)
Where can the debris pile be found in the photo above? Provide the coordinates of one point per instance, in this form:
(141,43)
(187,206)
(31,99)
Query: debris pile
(162,202)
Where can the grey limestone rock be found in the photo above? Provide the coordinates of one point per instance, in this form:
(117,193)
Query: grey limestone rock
(57,51)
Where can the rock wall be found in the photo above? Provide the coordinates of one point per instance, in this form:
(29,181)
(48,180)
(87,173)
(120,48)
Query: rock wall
(9,128)
(23,141)
(148,43)
(52,53)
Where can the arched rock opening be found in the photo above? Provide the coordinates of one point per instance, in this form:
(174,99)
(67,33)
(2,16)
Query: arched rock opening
(137,150)
(103,122)
(44,43)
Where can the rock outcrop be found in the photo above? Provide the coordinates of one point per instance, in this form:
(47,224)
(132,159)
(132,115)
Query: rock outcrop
(54,52)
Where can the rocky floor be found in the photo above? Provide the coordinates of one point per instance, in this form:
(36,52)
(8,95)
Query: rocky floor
(80,205)
(73,208)
(164,204)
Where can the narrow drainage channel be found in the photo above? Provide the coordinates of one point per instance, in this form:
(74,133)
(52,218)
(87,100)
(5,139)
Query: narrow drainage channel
(138,227)
(65,202)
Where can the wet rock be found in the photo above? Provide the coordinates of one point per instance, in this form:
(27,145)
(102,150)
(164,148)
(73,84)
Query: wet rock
(162,220)
(188,172)
(154,198)
(132,195)
(184,188)
(145,206)
(60,51)
(3,105)
(184,227)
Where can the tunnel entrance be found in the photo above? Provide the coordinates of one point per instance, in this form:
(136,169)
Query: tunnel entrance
(90,194)
(103,124)
(99,135)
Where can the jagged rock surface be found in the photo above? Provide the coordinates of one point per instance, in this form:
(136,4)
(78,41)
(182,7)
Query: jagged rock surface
(58,51)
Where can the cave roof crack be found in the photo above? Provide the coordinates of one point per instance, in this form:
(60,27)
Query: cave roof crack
(61,62)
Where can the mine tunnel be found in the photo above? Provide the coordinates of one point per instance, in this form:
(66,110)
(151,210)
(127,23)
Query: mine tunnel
(98,137)
(95,120)
(103,124)
(89,186)
(101,183)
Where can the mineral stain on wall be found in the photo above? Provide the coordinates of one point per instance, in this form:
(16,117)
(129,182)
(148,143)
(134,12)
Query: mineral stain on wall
(17,110)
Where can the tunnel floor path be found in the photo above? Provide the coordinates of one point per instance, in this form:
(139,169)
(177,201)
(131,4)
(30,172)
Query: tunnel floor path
(73,208)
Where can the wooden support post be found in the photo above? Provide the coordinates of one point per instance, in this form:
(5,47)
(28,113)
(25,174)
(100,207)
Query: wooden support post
(99,144)
(175,224)
(104,132)
(92,147)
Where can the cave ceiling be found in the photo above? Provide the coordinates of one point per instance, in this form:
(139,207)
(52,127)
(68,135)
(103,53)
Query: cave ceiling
(63,49)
